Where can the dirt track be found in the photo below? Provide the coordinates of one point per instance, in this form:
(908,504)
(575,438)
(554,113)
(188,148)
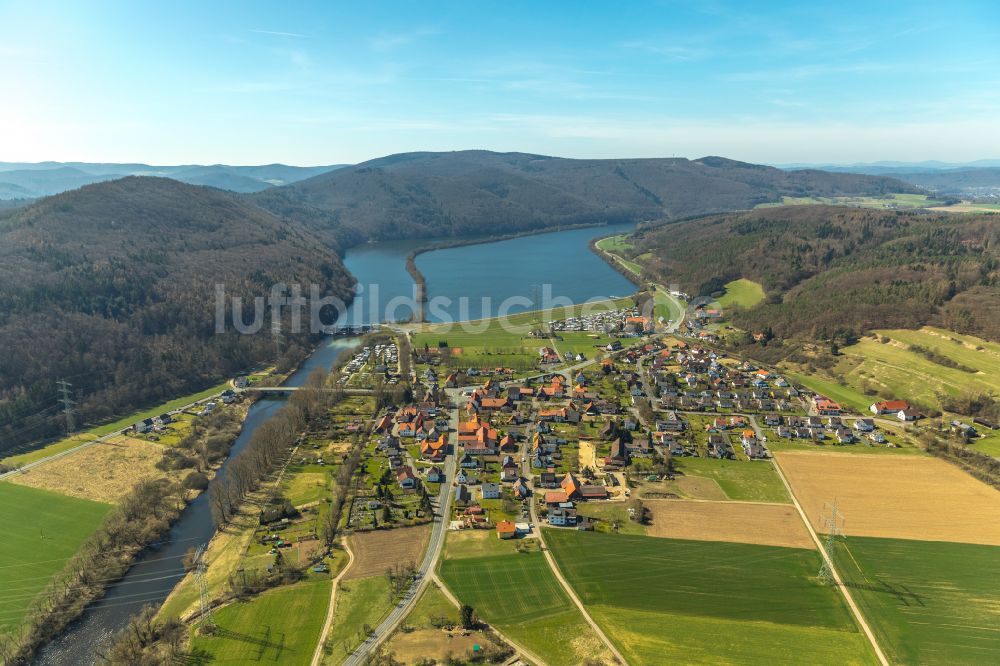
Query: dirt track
(903,497)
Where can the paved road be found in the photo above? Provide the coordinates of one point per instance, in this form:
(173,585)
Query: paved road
(442,516)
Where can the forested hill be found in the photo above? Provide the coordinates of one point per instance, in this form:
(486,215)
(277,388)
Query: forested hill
(112,287)
(475,192)
(836,272)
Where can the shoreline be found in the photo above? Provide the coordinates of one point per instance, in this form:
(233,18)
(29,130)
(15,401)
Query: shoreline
(612,261)
(421,281)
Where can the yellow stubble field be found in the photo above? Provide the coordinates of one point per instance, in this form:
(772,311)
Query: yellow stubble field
(902,497)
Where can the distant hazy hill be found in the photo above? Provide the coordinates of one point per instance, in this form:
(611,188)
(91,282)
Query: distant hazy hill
(955,181)
(33,180)
(112,287)
(950,178)
(33,183)
(832,271)
(468,192)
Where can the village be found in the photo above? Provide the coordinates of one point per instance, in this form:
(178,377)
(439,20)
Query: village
(581,432)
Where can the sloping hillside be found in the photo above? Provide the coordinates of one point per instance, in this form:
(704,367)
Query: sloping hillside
(831,272)
(113,287)
(474,192)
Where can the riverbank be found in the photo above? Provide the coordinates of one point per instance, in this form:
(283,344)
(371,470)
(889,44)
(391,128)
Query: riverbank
(614,261)
(141,518)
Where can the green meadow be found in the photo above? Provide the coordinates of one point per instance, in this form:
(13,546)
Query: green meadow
(519,594)
(896,200)
(928,602)
(742,293)
(670,600)
(279,626)
(667,306)
(507,342)
(752,481)
(618,246)
(360,602)
(42,531)
(652,638)
(894,369)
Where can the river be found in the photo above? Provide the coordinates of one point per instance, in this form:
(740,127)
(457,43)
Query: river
(493,271)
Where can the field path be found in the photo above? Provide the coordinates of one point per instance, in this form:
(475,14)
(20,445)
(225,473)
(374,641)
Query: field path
(833,569)
(562,581)
(328,624)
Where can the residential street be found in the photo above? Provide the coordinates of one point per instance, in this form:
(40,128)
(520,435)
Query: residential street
(442,512)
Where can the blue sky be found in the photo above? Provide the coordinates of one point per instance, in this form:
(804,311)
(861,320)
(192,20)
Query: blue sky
(332,82)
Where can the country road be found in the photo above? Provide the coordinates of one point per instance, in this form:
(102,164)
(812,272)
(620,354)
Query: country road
(99,440)
(442,515)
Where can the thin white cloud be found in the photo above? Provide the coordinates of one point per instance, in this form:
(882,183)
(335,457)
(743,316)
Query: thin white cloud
(808,71)
(387,41)
(277,33)
(680,52)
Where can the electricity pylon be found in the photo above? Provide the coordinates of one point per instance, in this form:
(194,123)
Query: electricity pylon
(832,522)
(68,405)
(206,621)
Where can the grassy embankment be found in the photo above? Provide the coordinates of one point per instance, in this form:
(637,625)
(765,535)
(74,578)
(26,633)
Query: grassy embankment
(90,435)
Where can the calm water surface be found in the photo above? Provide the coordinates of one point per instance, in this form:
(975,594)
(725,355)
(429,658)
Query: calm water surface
(472,281)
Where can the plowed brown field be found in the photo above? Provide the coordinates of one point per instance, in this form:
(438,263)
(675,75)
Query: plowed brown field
(741,522)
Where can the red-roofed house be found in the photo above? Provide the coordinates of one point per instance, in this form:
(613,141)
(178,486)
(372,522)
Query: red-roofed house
(889,406)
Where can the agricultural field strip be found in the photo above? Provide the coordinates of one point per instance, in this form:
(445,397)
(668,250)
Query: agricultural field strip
(742,522)
(858,615)
(904,497)
(930,601)
(530,656)
(717,582)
